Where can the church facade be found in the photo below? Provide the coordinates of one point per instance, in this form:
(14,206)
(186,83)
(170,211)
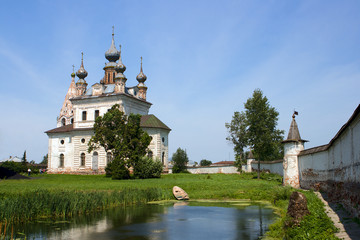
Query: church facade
(68,142)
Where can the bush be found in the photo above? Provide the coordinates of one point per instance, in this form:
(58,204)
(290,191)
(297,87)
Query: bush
(118,170)
(205,162)
(146,167)
(14,166)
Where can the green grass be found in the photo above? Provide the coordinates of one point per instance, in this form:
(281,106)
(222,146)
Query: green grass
(66,195)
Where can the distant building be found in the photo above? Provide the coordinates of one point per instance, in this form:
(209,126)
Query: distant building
(68,143)
(12,159)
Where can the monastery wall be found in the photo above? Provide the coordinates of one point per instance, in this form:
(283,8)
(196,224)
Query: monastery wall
(227,169)
(268,166)
(339,161)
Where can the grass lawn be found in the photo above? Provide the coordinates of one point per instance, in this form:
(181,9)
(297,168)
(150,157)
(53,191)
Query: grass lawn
(49,195)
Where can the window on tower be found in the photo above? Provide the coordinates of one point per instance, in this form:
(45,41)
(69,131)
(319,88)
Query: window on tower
(63,122)
(61,164)
(82,160)
(84,115)
(72,121)
(97,113)
(109,157)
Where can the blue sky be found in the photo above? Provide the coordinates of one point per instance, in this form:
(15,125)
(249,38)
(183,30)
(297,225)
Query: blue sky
(203,60)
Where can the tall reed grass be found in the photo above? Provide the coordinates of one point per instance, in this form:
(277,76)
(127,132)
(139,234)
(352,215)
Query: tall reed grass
(46,203)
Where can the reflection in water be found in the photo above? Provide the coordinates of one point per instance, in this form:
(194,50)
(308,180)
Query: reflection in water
(182,220)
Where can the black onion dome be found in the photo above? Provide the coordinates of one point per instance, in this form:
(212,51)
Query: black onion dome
(141,77)
(120,67)
(112,54)
(82,73)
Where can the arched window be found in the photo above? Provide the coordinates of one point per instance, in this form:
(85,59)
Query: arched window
(109,157)
(63,122)
(84,115)
(108,78)
(61,160)
(82,160)
(163,158)
(72,121)
(113,76)
(150,154)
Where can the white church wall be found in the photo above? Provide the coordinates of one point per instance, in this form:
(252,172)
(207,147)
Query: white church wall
(157,146)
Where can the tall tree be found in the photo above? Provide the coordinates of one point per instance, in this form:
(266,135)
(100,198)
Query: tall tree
(23,160)
(123,136)
(180,160)
(45,159)
(256,129)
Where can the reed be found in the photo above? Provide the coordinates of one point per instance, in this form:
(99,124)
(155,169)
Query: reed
(33,204)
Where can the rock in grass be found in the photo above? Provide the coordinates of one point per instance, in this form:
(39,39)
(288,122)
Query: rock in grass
(297,209)
(180,194)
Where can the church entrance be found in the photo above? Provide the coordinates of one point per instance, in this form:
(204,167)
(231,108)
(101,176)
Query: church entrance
(95,161)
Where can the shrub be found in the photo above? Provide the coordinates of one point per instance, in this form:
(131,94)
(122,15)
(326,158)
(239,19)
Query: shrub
(146,167)
(118,170)
(14,166)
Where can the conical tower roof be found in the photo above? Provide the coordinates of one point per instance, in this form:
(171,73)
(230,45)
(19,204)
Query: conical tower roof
(294,134)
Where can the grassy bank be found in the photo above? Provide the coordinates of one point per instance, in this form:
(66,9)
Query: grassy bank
(61,195)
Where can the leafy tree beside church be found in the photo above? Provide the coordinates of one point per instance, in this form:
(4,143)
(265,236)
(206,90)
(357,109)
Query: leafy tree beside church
(255,129)
(123,136)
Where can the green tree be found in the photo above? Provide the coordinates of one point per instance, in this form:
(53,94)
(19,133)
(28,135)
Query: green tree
(255,129)
(180,160)
(205,162)
(23,160)
(45,159)
(146,167)
(123,136)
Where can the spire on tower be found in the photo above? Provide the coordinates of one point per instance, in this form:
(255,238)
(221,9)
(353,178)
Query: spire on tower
(112,54)
(294,134)
(120,67)
(82,73)
(141,77)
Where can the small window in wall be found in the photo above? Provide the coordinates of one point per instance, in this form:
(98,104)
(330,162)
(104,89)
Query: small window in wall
(109,157)
(63,122)
(150,154)
(61,164)
(82,160)
(72,121)
(62,141)
(83,140)
(113,76)
(163,139)
(163,158)
(108,77)
(97,113)
(84,115)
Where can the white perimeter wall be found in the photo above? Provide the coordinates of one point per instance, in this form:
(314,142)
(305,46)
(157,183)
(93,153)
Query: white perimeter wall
(272,166)
(211,169)
(340,162)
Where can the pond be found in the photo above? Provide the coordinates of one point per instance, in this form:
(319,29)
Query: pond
(180,220)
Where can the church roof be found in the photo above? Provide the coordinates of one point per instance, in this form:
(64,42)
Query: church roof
(151,121)
(147,121)
(67,128)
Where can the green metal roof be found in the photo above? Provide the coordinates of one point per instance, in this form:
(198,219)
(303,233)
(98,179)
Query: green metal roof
(150,121)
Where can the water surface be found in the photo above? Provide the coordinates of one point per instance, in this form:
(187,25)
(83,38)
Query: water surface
(183,220)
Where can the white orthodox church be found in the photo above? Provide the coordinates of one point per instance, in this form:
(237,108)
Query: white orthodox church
(68,143)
